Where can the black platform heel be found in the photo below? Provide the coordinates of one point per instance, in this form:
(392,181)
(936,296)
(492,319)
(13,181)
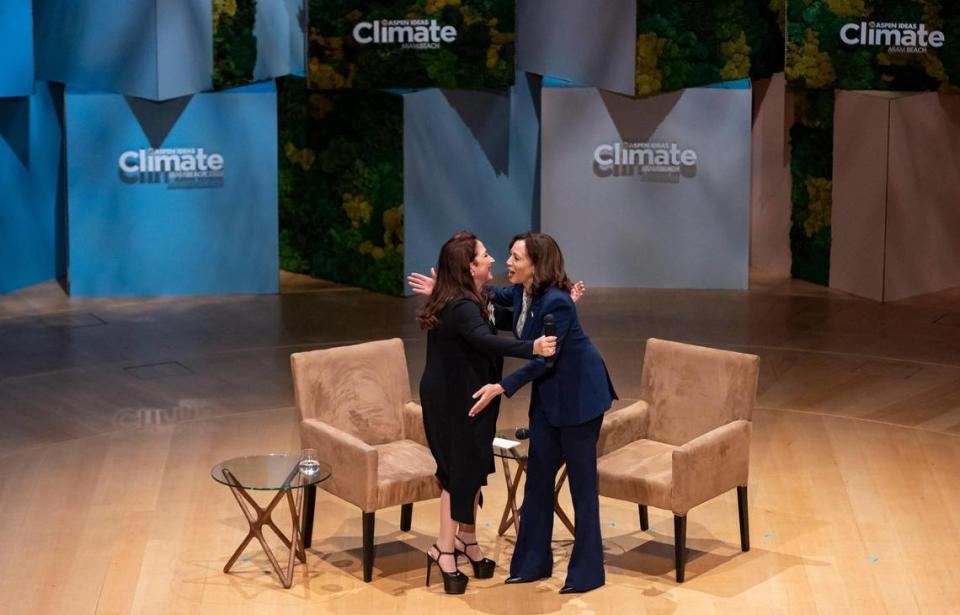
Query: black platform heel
(482,568)
(453,582)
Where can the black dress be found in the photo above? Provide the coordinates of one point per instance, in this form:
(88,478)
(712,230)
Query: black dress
(463,354)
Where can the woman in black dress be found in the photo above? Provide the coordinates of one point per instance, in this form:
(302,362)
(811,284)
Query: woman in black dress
(463,354)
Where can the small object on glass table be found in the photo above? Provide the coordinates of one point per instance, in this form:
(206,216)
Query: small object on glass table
(309,464)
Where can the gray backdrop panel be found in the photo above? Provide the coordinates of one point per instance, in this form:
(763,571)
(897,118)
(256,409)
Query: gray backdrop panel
(627,232)
(470,163)
(590,43)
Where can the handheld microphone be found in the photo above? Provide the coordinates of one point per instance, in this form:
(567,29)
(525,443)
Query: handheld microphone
(550,329)
(522,434)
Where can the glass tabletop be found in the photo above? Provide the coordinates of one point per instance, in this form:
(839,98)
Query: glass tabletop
(268,472)
(507,444)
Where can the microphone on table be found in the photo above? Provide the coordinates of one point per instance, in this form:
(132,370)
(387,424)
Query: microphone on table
(522,434)
(550,329)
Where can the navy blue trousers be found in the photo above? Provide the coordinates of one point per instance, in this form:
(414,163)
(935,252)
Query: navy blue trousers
(549,447)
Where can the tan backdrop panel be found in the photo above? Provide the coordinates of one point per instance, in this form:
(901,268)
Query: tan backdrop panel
(923,212)
(859,193)
(770,177)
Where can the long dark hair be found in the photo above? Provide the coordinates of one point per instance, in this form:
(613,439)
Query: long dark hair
(453,278)
(547,261)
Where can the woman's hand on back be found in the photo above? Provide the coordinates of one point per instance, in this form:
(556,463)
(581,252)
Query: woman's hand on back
(421,284)
(577,291)
(484,396)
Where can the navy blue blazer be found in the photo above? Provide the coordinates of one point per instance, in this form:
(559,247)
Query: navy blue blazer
(577,389)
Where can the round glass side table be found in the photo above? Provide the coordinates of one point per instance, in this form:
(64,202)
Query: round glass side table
(271,472)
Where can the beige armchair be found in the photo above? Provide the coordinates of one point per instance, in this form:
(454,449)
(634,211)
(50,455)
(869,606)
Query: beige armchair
(355,409)
(688,442)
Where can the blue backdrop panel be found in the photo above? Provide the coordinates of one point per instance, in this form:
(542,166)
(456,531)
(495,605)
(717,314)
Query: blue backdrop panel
(16,48)
(580,41)
(280,38)
(155,49)
(98,44)
(470,163)
(185,47)
(209,228)
(651,192)
(31,210)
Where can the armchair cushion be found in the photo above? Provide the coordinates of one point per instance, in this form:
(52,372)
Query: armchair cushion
(711,464)
(639,472)
(407,473)
(353,462)
(621,427)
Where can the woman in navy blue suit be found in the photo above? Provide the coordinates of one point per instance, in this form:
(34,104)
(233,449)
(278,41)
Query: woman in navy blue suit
(566,411)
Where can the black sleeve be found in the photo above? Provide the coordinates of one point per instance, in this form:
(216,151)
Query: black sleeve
(502,297)
(503,317)
(470,324)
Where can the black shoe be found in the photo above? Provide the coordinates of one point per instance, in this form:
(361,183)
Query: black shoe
(453,582)
(514,580)
(482,568)
(570,589)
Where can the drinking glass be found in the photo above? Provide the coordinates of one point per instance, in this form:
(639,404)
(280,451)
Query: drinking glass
(309,464)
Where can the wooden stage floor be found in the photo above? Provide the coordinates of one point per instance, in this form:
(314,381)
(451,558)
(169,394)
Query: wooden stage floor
(114,411)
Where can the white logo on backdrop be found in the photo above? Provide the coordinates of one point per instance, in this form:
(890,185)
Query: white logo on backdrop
(896,37)
(408,33)
(659,162)
(178,168)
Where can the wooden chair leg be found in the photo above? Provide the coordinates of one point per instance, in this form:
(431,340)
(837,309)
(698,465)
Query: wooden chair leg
(744,518)
(680,544)
(368,550)
(309,503)
(406,517)
(644,518)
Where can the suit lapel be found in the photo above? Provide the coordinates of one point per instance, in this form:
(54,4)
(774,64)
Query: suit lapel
(532,312)
(517,303)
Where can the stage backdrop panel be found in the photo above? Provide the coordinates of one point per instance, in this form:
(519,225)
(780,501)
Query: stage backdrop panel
(120,46)
(255,40)
(678,219)
(645,47)
(923,216)
(859,212)
(770,177)
(31,210)
(281,33)
(470,163)
(376,44)
(896,220)
(581,41)
(173,198)
(161,49)
(878,45)
(16,48)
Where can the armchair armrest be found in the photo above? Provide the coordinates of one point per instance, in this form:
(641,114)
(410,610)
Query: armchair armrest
(413,423)
(621,427)
(353,462)
(711,464)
